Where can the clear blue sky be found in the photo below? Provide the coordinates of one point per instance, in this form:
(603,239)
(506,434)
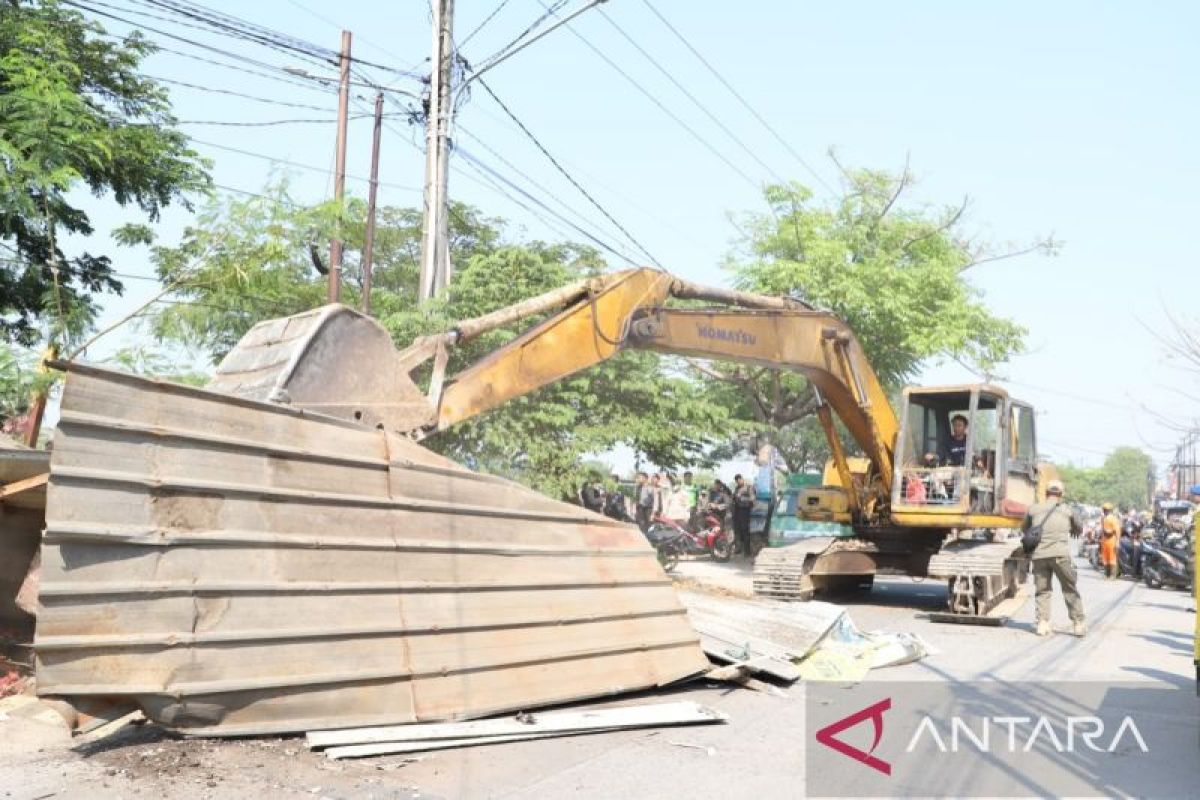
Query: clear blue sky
(1071,118)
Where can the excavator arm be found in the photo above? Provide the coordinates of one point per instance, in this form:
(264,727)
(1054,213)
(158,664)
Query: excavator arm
(628,310)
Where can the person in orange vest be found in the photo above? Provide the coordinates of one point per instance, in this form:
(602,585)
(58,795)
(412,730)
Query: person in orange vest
(1110,535)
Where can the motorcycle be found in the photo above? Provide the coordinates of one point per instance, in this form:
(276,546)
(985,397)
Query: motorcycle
(1168,563)
(1130,555)
(614,508)
(672,541)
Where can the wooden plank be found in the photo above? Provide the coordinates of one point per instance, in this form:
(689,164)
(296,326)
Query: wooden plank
(680,713)
(392,748)
(17,487)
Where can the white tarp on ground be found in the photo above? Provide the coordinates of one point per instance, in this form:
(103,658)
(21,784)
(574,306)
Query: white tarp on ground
(847,654)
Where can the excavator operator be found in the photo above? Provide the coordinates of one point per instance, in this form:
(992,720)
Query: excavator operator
(954,449)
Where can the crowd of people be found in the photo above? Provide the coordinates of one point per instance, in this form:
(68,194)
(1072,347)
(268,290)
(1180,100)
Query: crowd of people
(659,497)
(1116,543)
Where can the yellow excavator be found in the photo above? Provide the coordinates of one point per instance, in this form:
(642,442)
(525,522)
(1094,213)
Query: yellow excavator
(929,498)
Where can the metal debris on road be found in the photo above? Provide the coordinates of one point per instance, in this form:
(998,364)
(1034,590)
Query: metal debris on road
(431,736)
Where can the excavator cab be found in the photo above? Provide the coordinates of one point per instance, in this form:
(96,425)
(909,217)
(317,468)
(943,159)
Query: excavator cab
(964,451)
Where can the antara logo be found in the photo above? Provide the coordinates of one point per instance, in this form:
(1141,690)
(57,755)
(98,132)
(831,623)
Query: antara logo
(1017,735)
(828,735)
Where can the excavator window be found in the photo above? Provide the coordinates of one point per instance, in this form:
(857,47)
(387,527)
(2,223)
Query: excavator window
(1024,449)
(931,463)
(936,469)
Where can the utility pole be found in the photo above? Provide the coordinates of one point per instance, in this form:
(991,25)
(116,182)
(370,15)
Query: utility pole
(369,239)
(435,247)
(339,180)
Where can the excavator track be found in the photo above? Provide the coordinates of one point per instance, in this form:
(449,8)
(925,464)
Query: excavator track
(795,572)
(984,580)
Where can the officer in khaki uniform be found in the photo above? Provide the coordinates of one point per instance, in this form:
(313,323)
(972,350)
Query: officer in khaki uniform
(1051,557)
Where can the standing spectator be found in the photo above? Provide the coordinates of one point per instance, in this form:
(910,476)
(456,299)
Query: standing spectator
(592,494)
(743,503)
(1051,558)
(1110,535)
(692,491)
(676,506)
(662,491)
(644,507)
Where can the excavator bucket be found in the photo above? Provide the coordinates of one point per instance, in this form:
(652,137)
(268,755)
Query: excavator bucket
(332,360)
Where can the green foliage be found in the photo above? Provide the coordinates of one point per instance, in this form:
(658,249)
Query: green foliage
(74,111)
(19,379)
(154,364)
(1124,480)
(244,260)
(893,271)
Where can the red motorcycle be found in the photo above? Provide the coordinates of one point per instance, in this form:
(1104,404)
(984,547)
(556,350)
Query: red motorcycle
(672,540)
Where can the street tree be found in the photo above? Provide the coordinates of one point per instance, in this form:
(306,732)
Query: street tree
(895,271)
(75,114)
(1124,479)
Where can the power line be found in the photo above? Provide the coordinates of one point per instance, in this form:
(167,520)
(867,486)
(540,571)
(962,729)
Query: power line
(299,165)
(140,27)
(740,98)
(260,34)
(265,123)
(311,84)
(646,93)
(568,175)
(687,93)
(592,238)
(503,160)
(241,29)
(485,170)
(1077,397)
(649,213)
(481,25)
(242,95)
(550,10)
(481,178)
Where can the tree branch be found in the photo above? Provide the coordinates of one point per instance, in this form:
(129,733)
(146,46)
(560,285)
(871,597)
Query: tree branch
(1033,248)
(901,185)
(945,226)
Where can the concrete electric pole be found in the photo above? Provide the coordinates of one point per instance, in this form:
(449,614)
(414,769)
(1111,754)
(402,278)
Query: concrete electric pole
(368,260)
(435,242)
(339,181)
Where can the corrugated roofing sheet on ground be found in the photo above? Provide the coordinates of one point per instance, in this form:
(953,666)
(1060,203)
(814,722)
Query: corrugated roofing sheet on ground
(237,567)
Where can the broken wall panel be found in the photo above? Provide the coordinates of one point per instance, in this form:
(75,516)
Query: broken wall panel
(237,567)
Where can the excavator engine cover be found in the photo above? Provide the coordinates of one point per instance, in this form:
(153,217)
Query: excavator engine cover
(824,504)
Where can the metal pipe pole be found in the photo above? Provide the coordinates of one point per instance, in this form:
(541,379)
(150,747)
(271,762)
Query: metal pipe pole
(339,180)
(369,238)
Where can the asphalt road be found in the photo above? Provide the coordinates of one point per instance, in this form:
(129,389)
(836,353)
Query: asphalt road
(1137,635)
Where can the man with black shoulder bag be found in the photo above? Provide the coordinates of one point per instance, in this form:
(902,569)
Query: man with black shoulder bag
(1047,529)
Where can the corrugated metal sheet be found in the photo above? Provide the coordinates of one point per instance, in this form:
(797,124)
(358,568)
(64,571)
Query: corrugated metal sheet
(237,567)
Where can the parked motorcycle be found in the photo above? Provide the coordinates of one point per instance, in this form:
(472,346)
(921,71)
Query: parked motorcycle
(673,541)
(1168,563)
(615,508)
(1130,556)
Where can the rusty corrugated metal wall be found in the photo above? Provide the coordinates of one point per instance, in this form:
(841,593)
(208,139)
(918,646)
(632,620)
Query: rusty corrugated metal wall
(237,567)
